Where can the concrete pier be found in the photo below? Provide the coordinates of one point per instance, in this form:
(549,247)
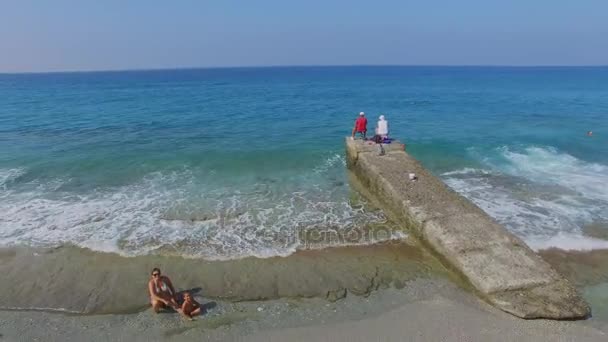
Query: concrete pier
(499,265)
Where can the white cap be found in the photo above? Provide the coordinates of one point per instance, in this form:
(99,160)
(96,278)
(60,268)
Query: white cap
(361,113)
(381,117)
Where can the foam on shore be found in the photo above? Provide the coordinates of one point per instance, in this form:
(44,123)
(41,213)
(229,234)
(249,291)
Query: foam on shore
(188,212)
(542,195)
(568,242)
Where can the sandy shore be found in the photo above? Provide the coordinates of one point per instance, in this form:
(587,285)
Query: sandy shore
(82,281)
(387,292)
(423,310)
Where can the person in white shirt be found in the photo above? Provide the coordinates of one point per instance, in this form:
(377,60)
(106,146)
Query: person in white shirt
(381,133)
(382,128)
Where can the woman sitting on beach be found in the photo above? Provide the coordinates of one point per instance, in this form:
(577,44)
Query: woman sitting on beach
(162,293)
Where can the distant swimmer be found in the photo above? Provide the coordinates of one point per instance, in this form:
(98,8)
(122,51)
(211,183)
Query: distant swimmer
(162,293)
(191,307)
(360,125)
(590,133)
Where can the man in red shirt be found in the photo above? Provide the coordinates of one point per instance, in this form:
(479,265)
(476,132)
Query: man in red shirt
(360,125)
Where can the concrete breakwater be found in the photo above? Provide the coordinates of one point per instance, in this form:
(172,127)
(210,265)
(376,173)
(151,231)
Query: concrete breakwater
(500,266)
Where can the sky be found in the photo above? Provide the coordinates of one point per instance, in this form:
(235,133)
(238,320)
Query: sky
(74,35)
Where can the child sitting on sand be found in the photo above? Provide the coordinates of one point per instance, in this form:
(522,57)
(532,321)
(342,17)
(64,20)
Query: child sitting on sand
(191,307)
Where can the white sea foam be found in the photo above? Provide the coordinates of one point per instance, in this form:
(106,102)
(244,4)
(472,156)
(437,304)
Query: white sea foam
(176,212)
(331,162)
(547,165)
(9,175)
(466,171)
(567,242)
(539,193)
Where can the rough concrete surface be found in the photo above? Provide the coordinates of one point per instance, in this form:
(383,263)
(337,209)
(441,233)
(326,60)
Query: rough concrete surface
(499,265)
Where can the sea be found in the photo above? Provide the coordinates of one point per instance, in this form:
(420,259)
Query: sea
(233,162)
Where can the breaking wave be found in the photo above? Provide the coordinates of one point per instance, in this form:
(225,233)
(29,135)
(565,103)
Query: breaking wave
(542,195)
(184,213)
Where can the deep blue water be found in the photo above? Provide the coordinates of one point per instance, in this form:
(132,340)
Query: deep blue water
(209,160)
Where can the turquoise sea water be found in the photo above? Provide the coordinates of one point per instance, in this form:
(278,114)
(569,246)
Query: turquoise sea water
(225,163)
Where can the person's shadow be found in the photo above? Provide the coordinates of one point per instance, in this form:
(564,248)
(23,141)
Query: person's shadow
(193,291)
(207,306)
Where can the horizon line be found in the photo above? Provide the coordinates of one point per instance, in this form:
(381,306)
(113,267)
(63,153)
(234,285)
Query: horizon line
(75,71)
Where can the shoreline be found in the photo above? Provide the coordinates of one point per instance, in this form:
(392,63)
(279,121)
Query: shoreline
(83,281)
(349,293)
(330,273)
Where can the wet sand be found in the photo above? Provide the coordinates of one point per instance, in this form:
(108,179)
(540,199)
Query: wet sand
(588,270)
(583,268)
(391,291)
(423,310)
(598,230)
(82,281)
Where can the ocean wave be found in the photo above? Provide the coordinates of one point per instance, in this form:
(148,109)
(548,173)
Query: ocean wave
(547,165)
(567,242)
(331,162)
(178,213)
(9,175)
(539,193)
(466,171)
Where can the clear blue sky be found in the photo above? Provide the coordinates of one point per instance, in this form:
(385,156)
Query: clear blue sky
(134,34)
